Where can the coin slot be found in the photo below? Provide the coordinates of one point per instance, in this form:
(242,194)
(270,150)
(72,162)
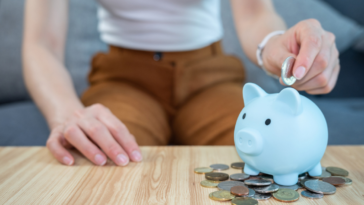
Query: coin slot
(244,116)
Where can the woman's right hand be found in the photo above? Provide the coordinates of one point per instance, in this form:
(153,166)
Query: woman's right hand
(93,130)
(97,134)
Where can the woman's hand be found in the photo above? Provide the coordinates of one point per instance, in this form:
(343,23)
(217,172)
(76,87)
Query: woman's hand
(97,134)
(317,64)
(93,130)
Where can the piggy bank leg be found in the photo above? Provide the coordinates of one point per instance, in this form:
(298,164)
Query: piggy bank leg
(316,170)
(286,180)
(249,170)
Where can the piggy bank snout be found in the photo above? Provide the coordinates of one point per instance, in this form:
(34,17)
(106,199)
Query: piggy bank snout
(249,142)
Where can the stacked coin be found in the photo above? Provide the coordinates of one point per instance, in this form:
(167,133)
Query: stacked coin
(221,196)
(216,176)
(227,185)
(286,195)
(239,177)
(203,170)
(219,167)
(239,190)
(238,165)
(244,189)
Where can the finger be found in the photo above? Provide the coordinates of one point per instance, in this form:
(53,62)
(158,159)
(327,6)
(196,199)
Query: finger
(328,88)
(102,137)
(121,134)
(65,143)
(309,39)
(326,59)
(275,54)
(79,140)
(321,79)
(57,150)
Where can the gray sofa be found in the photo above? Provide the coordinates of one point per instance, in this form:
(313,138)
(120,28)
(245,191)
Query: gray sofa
(21,123)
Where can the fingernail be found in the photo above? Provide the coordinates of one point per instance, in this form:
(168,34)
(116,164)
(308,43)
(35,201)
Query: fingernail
(299,73)
(67,160)
(100,160)
(136,156)
(122,160)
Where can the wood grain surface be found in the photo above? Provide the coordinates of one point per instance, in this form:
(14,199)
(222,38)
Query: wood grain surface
(30,175)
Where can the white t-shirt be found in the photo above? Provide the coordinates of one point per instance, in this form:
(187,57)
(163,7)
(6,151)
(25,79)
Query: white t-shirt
(160,25)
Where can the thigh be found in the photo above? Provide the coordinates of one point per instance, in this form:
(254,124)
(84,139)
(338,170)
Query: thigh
(142,114)
(208,117)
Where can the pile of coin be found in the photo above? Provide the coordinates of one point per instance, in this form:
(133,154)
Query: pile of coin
(243,189)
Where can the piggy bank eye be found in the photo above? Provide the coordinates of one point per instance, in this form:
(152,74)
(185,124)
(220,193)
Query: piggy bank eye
(267,122)
(244,116)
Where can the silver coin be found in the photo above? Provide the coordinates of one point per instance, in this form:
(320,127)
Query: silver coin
(266,176)
(302,176)
(267,189)
(239,176)
(311,195)
(251,187)
(226,185)
(259,196)
(287,67)
(258,182)
(302,182)
(347,180)
(299,185)
(219,167)
(320,187)
(293,187)
(237,165)
(323,175)
(251,193)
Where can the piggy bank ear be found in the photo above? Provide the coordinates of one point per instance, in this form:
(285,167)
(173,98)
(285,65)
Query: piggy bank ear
(251,91)
(289,100)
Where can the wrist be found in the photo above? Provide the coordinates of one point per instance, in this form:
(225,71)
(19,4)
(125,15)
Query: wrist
(261,47)
(62,114)
(265,55)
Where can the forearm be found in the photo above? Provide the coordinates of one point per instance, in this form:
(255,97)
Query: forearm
(49,84)
(254,19)
(48,81)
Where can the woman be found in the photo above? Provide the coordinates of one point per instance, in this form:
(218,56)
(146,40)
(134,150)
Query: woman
(165,78)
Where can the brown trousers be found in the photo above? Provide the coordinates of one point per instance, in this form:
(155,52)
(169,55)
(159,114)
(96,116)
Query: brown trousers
(186,98)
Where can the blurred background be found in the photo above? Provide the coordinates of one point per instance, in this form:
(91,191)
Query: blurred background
(21,123)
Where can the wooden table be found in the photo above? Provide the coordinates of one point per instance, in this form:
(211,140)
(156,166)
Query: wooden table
(30,175)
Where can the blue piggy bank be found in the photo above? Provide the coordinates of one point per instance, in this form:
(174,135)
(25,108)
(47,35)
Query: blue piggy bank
(282,134)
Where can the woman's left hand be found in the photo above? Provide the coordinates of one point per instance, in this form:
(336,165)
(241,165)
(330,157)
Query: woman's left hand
(317,64)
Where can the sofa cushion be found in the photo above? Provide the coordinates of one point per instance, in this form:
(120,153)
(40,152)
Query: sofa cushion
(345,120)
(346,31)
(350,8)
(21,124)
(82,42)
(11,28)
